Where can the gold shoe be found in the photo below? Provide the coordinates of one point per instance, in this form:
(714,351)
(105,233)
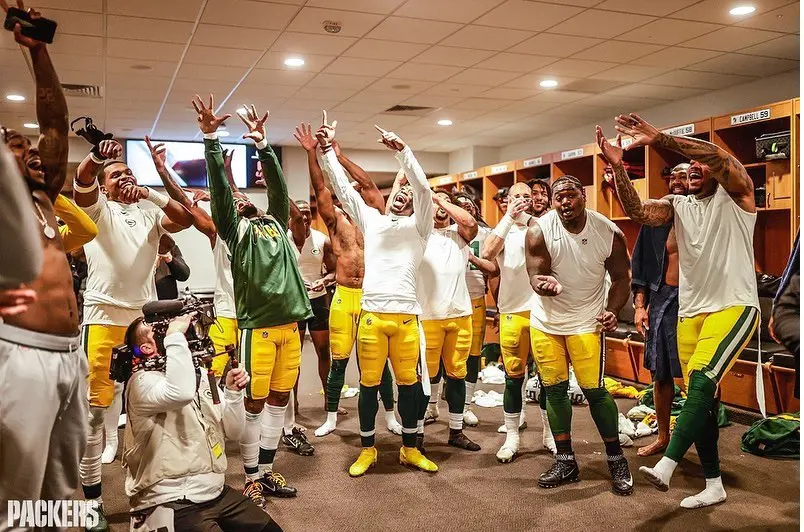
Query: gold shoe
(411,456)
(367,459)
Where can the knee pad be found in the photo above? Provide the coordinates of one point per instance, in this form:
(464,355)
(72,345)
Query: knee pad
(594,395)
(339,366)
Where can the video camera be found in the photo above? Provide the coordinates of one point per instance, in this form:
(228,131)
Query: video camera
(159,314)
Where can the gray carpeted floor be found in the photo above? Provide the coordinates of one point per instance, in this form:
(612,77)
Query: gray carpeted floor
(473,492)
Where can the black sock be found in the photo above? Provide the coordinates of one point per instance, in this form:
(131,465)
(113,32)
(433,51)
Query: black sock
(367,406)
(92,492)
(564,446)
(335,380)
(407,411)
(266,456)
(613,448)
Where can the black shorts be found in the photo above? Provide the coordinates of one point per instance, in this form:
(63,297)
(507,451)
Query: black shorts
(320,319)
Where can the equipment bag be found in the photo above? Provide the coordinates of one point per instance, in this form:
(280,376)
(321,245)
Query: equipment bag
(774,437)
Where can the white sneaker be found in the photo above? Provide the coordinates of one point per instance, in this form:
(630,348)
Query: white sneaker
(469,418)
(507,452)
(109,453)
(431,414)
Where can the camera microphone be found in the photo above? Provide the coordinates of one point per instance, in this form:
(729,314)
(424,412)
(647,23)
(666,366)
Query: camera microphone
(158,310)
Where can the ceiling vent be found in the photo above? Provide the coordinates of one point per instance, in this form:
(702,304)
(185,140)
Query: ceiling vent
(410,110)
(81,91)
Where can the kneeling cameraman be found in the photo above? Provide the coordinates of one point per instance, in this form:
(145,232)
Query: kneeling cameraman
(174,453)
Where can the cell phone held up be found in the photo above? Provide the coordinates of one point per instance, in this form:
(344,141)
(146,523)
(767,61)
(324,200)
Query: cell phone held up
(39,29)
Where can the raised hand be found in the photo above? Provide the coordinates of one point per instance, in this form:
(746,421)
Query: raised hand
(326,133)
(158,153)
(255,124)
(304,134)
(110,149)
(632,125)
(612,154)
(18,36)
(517,206)
(131,194)
(547,285)
(390,139)
(207,121)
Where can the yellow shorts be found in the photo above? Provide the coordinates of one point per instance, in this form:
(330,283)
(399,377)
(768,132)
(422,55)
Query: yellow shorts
(223,334)
(554,353)
(515,343)
(712,342)
(448,340)
(381,336)
(271,356)
(98,341)
(478,325)
(344,315)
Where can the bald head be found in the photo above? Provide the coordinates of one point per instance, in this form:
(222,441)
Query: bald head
(521,191)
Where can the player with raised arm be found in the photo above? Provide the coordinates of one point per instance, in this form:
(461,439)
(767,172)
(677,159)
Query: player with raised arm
(717,292)
(344,312)
(389,328)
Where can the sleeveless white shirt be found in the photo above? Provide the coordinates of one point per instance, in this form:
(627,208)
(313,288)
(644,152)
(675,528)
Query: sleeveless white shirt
(311,260)
(515,291)
(441,283)
(578,263)
(715,253)
(475,280)
(224,285)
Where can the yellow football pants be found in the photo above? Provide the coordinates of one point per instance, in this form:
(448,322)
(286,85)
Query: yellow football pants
(478,325)
(344,315)
(515,343)
(223,333)
(448,340)
(382,336)
(98,342)
(271,356)
(554,353)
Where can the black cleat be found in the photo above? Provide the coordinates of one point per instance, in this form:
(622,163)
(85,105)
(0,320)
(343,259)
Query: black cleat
(274,485)
(420,443)
(297,440)
(622,483)
(253,490)
(564,469)
(462,441)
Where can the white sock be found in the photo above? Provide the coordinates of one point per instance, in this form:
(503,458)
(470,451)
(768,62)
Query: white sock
(512,430)
(250,443)
(456,421)
(328,426)
(420,426)
(664,469)
(547,435)
(90,466)
(470,392)
(110,422)
(270,431)
(290,415)
(713,494)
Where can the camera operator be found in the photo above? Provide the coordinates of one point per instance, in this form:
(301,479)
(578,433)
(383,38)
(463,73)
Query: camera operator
(174,453)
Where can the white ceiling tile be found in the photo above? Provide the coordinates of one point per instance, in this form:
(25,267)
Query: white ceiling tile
(413,30)
(576,68)
(659,9)
(449,88)
(93,6)
(784,19)
(624,102)
(186,10)
(217,72)
(506,116)
(129,49)
(787,47)
(669,31)
(747,65)
(389,50)
(293,78)
(187,87)
(258,91)
(91,63)
(139,82)
(248,14)
(446,9)
(308,43)
(479,76)
(601,24)
(152,30)
(656,91)
(557,96)
(718,10)
(509,93)
(340,81)
(676,57)
(448,55)
(210,55)
(631,73)
(313,100)
(133,67)
(363,6)
(404,86)
(362,67)
(531,16)
(516,62)
(354,106)
(311,19)
(420,71)
(390,120)
(71,44)
(554,44)
(312,63)
(479,105)
(732,38)
(486,38)
(76,22)
(231,37)
(531,81)
(428,100)
(698,80)
(617,51)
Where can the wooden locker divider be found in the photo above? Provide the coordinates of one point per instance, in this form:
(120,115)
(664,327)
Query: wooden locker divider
(795,215)
(534,168)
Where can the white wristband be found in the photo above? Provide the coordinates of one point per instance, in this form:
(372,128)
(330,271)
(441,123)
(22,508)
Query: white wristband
(503,227)
(95,159)
(211,136)
(262,144)
(81,189)
(157,198)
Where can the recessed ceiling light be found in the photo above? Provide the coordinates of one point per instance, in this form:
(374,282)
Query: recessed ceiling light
(294,62)
(223,133)
(31,125)
(445,122)
(549,83)
(742,10)
(15,97)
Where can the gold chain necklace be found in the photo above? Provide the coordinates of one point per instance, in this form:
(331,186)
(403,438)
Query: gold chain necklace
(49,232)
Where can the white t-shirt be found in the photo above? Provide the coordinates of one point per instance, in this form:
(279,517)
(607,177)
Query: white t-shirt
(442,276)
(224,285)
(475,280)
(121,261)
(579,264)
(515,291)
(311,260)
(393,245)
(715,253)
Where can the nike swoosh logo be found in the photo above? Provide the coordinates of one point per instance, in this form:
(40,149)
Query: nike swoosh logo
(478,306)
(407,321)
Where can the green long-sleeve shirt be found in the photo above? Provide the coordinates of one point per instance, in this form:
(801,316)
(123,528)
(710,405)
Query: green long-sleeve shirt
(268,288)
